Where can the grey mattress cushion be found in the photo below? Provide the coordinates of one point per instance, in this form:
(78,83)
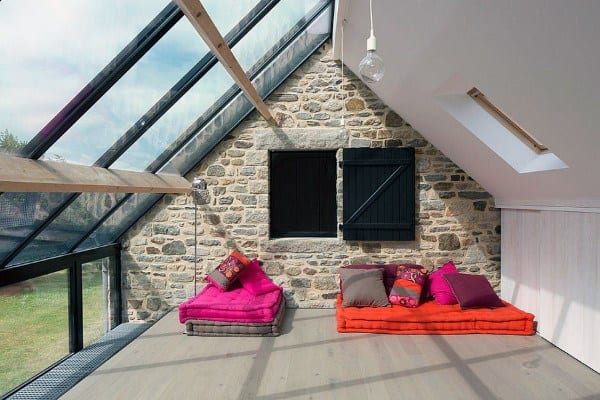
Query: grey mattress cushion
(220,328)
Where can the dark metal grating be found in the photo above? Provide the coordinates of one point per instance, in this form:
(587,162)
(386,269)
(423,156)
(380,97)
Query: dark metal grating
(58,380)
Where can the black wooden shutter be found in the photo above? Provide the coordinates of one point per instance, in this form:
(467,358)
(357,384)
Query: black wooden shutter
(379,194)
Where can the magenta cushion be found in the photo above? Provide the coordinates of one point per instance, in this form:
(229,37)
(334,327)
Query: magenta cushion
(473,291)
(235,305)
(439,287)
(255,281)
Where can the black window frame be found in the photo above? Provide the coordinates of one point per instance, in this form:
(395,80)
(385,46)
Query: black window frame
(298,196)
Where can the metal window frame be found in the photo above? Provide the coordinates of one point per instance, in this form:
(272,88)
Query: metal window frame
(152,115)
(72,262)
(201,122)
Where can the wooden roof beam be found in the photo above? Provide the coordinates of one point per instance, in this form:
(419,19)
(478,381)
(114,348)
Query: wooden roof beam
(26,175)
(199,18)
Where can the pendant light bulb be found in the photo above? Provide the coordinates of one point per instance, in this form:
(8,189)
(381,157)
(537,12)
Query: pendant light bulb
(371,67)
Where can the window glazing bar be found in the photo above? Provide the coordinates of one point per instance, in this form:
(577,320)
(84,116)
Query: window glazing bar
(183,85)
(22,272)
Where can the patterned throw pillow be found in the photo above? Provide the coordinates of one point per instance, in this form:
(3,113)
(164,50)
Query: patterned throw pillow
(228,271)
(408,285)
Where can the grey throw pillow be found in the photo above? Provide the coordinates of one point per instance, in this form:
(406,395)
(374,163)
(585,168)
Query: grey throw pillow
(363,287)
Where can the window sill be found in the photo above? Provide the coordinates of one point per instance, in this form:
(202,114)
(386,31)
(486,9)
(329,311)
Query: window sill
(305,245)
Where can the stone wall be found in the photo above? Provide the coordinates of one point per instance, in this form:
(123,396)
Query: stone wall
(456,218)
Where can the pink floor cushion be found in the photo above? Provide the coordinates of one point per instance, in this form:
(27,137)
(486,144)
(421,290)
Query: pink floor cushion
(235,305)
(253,298)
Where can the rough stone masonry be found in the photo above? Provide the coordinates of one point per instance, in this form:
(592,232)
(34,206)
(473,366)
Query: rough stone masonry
(456,218)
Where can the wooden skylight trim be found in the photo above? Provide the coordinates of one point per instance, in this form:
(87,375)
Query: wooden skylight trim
(506,121)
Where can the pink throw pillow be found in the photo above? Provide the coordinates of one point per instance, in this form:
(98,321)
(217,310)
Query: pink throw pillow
(255,281)
(439,287)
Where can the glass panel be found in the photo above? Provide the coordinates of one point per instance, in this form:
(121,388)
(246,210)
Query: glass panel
(211,134)
(34,327)
(225,120)
(268,31)
(130,97)
(75,221)
(46,57)
(142,86)
(176,120)
(204,93)
(21,214)
(125,216)
(98,318)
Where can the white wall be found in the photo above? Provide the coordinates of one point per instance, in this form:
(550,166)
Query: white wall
(551,268)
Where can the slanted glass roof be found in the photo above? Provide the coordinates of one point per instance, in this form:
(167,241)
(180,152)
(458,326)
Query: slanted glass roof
(160,105)
(52,49)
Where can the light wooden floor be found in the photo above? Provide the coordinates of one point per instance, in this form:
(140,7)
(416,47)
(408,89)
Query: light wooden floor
(312,361)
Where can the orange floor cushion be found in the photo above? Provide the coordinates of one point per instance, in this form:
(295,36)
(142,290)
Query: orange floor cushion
(433,319)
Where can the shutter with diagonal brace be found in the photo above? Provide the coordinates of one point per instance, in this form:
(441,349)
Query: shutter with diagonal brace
(379,194)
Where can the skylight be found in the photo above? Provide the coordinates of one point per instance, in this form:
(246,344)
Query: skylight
(505,137)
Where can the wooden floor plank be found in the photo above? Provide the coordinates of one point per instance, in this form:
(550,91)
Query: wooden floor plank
(310,360)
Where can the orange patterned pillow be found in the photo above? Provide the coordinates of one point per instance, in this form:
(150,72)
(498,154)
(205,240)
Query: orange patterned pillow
(228,271)
(408,285)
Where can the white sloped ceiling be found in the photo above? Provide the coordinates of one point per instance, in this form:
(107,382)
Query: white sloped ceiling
(538,60)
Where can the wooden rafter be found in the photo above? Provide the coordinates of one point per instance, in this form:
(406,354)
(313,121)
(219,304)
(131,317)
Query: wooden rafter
(25,175)
(199,18)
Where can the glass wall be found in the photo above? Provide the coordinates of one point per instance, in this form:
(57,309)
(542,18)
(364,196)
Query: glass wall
(98,315)
(34,327)
(51,49)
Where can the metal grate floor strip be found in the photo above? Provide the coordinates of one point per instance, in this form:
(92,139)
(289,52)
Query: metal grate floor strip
(65,375)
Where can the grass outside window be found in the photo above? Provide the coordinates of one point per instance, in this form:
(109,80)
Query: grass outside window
(34,323)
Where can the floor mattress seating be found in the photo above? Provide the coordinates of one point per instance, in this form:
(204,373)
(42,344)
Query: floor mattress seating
(253,306)
(204,327)
(430,317)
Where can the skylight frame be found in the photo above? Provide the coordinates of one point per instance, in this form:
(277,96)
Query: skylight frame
(506,121)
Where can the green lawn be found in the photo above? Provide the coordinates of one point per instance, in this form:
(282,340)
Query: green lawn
(34,325)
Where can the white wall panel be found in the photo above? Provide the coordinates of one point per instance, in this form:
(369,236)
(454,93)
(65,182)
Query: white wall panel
(551,267)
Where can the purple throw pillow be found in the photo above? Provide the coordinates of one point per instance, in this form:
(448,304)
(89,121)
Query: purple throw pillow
(473,291)
(439,288)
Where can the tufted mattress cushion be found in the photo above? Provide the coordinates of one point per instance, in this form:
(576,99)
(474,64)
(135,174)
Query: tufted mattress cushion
(218,328)
(433,318)
(235,305)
